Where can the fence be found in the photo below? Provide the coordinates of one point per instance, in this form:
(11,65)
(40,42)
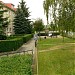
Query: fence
(7,54)
(17,52)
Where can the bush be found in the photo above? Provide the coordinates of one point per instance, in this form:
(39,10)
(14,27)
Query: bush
(3,37)
(10,45)
(14,42)
(27,37)
(15,36)
(11,37)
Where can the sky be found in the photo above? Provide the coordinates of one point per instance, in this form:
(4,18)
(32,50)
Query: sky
(35,7)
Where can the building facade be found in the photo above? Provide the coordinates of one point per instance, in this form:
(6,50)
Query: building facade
(10,14)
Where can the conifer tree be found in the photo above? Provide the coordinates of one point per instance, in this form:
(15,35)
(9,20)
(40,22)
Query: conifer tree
(21,22)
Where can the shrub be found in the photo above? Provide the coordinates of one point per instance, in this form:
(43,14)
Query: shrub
(11,37)
(10,45)
(3,37)
(14,42)
(27,37)
(15,36)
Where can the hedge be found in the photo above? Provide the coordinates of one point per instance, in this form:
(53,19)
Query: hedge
(11,37)
(10,45)
(14,44)
(3,37)
(27,37)
(15,36)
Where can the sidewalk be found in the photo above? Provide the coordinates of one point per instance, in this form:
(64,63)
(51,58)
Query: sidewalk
(30,45)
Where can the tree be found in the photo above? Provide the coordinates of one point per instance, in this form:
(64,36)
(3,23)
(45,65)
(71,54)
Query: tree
(52,26)
(21,22)
(46,9)
(46,5)
(38,25)
(3,20)
(63,14)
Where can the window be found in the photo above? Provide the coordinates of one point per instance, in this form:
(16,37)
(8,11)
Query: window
(10,29)
(7,29)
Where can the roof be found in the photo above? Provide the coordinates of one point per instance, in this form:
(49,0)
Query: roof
(9,5)
(15,9)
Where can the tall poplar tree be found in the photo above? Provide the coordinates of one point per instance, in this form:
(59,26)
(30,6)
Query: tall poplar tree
(65,17)
(21,22)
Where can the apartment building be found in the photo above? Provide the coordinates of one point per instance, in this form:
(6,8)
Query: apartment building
(10,14)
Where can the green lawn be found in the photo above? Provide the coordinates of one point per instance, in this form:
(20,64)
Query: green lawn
(47,43)
(16,65)
(59,61)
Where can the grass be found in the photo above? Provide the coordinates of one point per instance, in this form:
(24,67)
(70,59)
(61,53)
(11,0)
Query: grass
(56,40)
(16,65)
(60,61)
(48,43)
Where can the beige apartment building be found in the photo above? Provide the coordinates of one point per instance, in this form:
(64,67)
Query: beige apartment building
(10,14)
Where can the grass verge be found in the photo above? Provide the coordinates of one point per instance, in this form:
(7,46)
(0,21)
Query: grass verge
(60,61)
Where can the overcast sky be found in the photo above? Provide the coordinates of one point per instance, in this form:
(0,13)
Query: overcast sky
(35,7)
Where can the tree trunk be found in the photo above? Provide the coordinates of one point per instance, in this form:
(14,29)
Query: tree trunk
(63,35)
(39,35)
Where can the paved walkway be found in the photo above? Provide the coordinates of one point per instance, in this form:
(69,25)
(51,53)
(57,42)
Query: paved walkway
(30,45)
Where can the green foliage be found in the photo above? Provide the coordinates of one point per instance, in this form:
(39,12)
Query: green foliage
(15,36)
(52,27)
(3,37)
(3,20)
(16,65)
(10,45)
(63,14)
(46,8)
(14,42)
(38,25)
(27,37)
(21,22)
